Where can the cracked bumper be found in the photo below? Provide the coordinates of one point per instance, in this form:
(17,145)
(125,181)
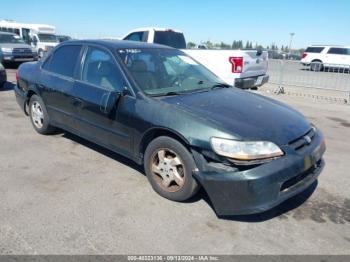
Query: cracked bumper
(264,187)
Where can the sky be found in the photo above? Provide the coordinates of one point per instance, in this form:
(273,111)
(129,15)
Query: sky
(264,22)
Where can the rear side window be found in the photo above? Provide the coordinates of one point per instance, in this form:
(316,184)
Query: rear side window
(337,51)
(314,49)
(64,60)
(137,36)
(170,38)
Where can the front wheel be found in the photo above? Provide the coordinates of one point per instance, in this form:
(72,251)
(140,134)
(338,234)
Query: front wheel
(39,116)
(40,53)
(169,166)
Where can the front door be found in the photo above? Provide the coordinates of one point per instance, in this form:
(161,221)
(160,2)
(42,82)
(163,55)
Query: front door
(99,78)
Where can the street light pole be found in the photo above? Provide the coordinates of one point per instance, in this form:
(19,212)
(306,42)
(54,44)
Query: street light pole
(290,43)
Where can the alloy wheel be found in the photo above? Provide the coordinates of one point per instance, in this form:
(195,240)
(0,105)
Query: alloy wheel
(168,170)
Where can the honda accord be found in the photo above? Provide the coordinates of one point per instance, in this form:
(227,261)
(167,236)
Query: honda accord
(165,111)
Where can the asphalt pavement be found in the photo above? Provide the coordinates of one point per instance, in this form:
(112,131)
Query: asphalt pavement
(60,194)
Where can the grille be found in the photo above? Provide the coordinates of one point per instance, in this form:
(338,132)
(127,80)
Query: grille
(22,51)
(304,140)
(295,180)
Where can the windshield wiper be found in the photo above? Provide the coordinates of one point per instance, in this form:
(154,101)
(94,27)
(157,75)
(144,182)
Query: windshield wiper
(220,85)
(172,93)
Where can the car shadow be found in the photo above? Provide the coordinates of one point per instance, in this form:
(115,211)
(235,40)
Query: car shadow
(288,205)
(328,70)
(11,65)
(277,211)
(8,86)
(106,152)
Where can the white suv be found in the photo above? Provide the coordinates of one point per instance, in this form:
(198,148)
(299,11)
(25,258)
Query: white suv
(320,57)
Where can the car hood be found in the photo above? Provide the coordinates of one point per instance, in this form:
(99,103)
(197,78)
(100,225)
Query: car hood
(13,45)
(244,115)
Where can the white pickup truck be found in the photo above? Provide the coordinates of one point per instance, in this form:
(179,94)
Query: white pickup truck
(242,68)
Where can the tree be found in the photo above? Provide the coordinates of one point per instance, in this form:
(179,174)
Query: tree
(209,44)
(224,46)
(191,45)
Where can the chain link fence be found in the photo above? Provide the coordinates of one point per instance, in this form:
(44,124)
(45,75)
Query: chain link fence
(333,77)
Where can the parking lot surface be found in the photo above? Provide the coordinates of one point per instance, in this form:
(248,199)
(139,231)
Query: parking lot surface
(60,194)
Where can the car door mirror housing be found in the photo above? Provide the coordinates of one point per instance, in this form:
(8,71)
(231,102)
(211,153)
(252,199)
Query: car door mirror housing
(109,101)
(259,51)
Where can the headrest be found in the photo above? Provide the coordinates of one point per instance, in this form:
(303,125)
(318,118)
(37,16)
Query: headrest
(139,66)
(101,68)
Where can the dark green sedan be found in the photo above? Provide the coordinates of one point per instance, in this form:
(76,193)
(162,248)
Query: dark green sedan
(164,110)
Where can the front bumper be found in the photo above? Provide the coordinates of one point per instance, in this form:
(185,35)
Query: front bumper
(27,57)
(250,82)
(265,186)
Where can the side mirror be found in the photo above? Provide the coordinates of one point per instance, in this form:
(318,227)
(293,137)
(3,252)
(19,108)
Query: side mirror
(259,51)
(109,101)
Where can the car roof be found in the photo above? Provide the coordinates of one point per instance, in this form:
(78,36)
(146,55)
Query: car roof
(154,29)
(6,33)
(340,46)
(117,44)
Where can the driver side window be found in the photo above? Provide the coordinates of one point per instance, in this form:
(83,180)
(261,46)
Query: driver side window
(99,69)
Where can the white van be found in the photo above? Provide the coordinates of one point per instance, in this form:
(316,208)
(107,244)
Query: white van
(319,57)
(41,37)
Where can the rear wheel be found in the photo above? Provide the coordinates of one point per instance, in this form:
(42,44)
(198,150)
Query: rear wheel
(168,166)
(38,116)
(316,65)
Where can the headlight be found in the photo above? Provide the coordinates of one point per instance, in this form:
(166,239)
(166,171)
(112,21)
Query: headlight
(245,150)
(1,67)
(6,49)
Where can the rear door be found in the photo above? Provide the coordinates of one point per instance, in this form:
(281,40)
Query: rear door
(57,81)
(99,76)
(337,56)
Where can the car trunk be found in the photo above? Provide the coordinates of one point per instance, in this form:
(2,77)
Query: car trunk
(254,64)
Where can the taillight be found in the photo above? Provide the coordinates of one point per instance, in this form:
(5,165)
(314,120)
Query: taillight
(17,76)
(237,64)
(304,55)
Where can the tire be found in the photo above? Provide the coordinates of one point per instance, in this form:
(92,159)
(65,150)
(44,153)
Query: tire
(176,167)
(316,66)
(39,116)
(40,53)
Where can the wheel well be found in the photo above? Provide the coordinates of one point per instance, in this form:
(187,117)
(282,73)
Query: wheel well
(30,94)
(316,60)
(154,133)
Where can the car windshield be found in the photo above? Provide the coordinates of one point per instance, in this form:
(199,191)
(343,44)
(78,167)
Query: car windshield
(167,71)
(13,39)
(47,38)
